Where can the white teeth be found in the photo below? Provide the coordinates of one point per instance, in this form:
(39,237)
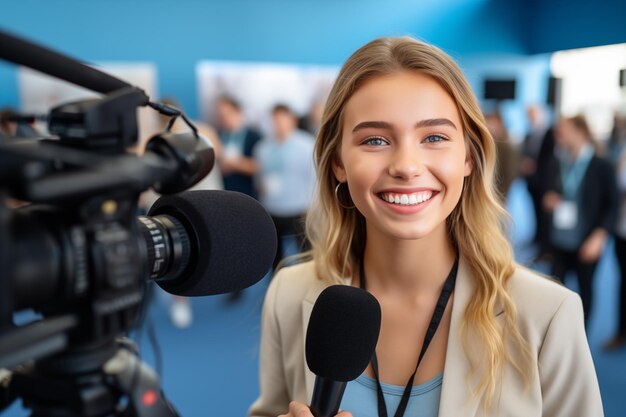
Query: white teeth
(407,199)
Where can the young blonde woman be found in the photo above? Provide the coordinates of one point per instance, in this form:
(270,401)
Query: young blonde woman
(405,207)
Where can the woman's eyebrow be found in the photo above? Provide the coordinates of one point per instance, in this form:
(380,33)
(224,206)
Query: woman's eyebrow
(388,126)
(435,122)
(372,124)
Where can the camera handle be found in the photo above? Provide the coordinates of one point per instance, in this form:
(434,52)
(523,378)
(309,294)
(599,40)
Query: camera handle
(123,386)
(141,384)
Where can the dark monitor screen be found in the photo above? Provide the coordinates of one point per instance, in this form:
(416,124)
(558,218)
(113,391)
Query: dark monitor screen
(499,89)
(622,77)
(554,91)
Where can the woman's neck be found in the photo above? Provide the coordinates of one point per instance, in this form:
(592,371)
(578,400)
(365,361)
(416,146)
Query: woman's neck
(410,267)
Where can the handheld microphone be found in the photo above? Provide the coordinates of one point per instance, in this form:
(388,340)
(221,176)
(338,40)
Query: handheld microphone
(208,242)
(340,341)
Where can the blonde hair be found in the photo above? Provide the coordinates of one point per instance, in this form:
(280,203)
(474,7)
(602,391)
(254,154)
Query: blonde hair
(476,226)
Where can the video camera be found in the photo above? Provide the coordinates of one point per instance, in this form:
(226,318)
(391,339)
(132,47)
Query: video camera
(78,253)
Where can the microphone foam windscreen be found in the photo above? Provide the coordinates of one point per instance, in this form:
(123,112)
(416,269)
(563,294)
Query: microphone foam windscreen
(342,333)
(234,239)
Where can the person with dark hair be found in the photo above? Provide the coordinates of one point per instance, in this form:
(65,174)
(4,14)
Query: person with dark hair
(582,199)
(238,141)
(8,128)
(13,124)
(536,165)
(313,119)
(619,339)
(507,159)
(617,137)
(286,176)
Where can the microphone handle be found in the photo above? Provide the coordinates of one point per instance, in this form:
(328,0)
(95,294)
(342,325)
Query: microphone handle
(327,396)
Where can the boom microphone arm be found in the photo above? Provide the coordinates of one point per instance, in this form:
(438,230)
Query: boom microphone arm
(55,64)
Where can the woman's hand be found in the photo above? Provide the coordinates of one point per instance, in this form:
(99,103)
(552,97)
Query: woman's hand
(297,409)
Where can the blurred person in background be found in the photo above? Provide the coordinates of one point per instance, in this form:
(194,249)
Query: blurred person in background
(617,137)
(12,124)
(238,141)
(181,313)
(286,176)
(312,121)
(619,340)
(537,163)
(507,160)
(583,202)
(236,162)
(8,128)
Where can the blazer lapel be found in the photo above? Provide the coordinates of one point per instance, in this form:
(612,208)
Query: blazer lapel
(307,306)
(309,378)
(456,399)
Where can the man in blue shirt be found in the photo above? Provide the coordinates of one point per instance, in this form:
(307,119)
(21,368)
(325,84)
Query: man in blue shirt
(286,176)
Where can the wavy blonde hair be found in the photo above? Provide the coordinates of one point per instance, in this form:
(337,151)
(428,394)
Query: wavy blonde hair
(476,226)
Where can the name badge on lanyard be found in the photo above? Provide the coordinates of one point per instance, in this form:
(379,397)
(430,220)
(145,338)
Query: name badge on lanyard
(566,212)
(232,151)
(273,185)
(234,146)
(566,215)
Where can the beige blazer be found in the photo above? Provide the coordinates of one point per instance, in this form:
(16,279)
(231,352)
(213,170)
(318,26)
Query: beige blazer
(550,318)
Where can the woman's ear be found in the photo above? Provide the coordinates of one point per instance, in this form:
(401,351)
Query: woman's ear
(469,162)
(469,166)
(338,170)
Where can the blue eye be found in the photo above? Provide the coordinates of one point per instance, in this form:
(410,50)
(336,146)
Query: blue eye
(435,139)
(375,141)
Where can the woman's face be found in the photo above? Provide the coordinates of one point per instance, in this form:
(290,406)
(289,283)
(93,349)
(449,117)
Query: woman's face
(403,154)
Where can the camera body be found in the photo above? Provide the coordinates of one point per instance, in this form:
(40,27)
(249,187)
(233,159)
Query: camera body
(77,253)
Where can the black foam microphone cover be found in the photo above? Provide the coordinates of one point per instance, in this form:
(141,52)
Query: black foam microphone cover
(340,341)
(232,239)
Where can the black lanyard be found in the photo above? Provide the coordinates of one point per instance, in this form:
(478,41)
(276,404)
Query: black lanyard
(446,291)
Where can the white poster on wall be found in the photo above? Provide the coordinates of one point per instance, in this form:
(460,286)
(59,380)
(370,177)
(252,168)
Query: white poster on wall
(39,92)
(260,86)
(590,85)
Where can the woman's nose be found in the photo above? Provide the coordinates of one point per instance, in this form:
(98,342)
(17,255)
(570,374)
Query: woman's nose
(407,162)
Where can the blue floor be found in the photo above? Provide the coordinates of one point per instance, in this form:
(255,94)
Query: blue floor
(210,369)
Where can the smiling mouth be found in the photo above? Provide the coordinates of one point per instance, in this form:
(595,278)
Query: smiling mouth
(411,199)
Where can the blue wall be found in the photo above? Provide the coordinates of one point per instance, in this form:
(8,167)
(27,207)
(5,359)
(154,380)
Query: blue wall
(555,25)
(176,34)
(531,73)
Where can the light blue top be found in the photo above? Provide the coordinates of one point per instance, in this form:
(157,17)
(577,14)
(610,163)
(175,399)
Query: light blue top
(286,176)
(360,398)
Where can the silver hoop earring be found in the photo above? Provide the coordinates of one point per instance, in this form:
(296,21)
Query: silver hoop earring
(339,199)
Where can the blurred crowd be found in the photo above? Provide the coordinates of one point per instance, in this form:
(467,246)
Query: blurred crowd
(276,168)
(577,185)
(576,182)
